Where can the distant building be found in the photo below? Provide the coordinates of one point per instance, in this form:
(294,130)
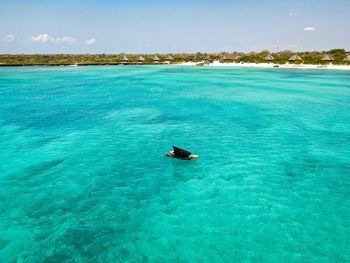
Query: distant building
(327,58)
(141,59)
(235,57)
(207,60)
(155,59)
(224,59)
(168,58)
(231,57)
(269,57)
(294,58)
(191,57)
(124,59)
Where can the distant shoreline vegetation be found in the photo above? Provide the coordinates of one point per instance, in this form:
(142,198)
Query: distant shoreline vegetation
(334,56)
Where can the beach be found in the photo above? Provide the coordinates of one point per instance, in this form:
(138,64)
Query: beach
(270,65)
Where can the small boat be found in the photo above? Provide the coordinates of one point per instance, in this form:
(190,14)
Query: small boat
(181,154)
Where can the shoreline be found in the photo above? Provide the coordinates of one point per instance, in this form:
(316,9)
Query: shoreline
(270,65)
(213,64)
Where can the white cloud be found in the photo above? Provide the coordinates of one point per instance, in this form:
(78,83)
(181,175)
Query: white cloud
(292,14)
(309,29)
(65,40)
(42,38)
(90,41)
(9,38)
(45,38)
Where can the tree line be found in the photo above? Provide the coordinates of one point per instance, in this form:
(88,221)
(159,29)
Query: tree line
(338,57)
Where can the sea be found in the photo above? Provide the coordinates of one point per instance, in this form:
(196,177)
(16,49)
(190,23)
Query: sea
(83,176)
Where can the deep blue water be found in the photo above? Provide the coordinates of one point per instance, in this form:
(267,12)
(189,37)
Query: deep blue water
(83,177)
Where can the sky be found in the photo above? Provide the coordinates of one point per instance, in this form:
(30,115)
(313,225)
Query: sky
(160,26)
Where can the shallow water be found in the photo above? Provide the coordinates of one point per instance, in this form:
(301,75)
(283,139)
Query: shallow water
(84,179)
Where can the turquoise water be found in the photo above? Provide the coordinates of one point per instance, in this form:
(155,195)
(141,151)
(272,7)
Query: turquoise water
(84,179)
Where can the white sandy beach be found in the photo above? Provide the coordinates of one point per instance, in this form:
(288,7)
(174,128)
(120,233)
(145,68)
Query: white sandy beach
(270,65)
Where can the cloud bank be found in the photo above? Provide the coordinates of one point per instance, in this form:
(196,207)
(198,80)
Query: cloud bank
(45,38)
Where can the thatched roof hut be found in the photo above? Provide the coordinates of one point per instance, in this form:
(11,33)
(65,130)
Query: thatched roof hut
(155,59)
(230,57)
(269,57)
(191,57)
(168,58)
(294,58)
(124,59)
(327,57)
(224,58)
(207,60)
(347,58)
(141,59)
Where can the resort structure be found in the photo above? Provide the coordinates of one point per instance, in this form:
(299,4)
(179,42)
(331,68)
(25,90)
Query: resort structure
(141,59)
(224,59)
(269,58)
(124,59)
(294,58)
(327,58)
(155,59)
(191,57)
(236,57)
(207,60)
(168,58)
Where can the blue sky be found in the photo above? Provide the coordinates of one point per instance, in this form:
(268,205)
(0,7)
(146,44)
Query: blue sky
(154,26)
